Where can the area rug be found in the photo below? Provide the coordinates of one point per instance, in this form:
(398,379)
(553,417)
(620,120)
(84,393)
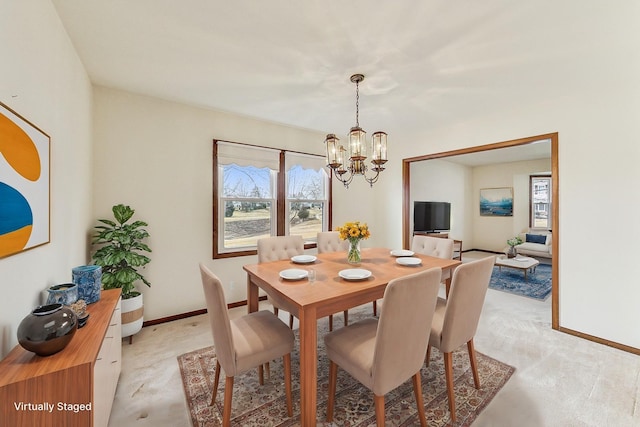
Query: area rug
(537,285)
(255,405)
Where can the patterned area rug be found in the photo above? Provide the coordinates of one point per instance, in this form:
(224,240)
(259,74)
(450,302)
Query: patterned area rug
(537,285)
(255,405)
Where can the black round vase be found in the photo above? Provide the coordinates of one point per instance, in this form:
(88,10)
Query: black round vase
(48,329)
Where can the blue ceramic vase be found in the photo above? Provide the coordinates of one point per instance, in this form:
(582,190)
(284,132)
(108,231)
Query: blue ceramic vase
(89,281)
(66,294)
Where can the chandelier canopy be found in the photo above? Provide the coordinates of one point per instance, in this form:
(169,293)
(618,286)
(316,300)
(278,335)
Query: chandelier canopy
(345,168)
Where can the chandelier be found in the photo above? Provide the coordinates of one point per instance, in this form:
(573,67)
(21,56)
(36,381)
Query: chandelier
(337,155)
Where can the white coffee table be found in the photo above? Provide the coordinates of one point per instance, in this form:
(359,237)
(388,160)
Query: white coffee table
(526,264)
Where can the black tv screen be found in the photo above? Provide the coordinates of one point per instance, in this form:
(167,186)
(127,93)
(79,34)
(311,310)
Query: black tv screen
(431,216)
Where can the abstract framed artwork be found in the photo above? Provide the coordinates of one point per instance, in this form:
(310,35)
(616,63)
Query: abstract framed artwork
(496,201)
(24,184)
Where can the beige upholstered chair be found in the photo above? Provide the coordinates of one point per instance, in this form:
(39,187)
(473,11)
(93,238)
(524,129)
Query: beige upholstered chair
(456,318)
(435,247)
(329,241)
(244,343)
(276,248)
(384,353)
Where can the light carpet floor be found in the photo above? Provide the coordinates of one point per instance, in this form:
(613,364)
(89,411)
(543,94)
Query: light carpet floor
(560,380)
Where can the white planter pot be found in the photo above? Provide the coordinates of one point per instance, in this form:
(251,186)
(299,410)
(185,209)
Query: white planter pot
(132,315)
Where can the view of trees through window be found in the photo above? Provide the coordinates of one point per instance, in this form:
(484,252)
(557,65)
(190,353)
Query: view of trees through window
(249,198)
(306,201)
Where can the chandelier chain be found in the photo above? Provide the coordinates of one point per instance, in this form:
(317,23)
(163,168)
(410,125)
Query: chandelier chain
(357,104)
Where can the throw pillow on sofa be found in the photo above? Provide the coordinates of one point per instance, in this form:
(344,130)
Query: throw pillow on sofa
(536,238)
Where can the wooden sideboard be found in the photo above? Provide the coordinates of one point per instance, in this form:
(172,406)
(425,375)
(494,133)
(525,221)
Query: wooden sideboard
(77,385)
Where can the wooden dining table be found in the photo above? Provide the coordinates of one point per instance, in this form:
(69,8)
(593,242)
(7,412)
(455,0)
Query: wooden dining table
(328,294)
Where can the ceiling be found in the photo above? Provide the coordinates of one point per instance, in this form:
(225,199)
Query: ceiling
(426,63)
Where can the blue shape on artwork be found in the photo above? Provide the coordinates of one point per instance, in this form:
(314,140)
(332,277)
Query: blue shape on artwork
(503,207)
(15,212)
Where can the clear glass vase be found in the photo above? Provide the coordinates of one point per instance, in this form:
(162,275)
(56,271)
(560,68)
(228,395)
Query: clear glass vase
(512,252)
(354,255)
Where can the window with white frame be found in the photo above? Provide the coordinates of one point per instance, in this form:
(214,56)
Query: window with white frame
(307,182)
(540,201)
(261,192)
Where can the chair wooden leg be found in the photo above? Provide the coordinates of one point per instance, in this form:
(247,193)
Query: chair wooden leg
(428,356)
(417,390)
(474,363)
(333,378)
(261,374)
(228,395)
(286,359)
(290,321)
(448,373)
(379,401)
(216,379)
(276,310)
(346,317)
(375,308)
(330,322)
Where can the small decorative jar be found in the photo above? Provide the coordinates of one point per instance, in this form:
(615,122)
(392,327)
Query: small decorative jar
(89,281)
(47,329)
(66,293)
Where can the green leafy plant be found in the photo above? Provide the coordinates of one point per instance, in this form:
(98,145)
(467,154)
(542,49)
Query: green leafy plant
(514,241)
(121,251)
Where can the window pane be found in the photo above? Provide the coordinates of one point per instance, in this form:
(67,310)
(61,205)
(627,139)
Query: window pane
(541,202)
(306,184)
(305,219)
(245,222)
(246,182)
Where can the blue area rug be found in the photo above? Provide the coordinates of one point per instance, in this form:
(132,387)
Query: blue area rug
(537,285)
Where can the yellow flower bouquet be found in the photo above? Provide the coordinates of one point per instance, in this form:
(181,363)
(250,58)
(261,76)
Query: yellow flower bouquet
(354,232)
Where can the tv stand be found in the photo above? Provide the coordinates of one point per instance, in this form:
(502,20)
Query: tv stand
(457,244)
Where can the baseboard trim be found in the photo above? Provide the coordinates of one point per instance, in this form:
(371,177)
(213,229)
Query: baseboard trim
(598,340)
(193,313)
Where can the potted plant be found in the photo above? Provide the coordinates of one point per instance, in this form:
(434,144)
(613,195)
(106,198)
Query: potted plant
(513,242)
(121,252)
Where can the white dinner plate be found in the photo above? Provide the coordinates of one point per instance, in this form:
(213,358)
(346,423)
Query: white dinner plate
(294,274)
(409,261)
(354,274)
(303,259)
(401,252)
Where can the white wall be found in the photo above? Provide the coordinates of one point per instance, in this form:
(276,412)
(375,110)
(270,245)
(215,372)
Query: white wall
(443,181)
(590,95)
(156,156)
(491,233)
(42,79)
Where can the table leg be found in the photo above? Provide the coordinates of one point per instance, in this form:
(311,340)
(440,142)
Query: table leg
(308,366)
(252,296)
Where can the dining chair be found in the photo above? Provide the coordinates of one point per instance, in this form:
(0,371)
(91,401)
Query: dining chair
(383,353)
(435,247)
(329,241)
(456,319)
(244,343)
(277,248)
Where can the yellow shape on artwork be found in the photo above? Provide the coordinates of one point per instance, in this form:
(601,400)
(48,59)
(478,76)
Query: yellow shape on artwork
(15,241)
(19,150)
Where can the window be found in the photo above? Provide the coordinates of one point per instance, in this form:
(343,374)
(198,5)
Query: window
(540,202)
(307,182)
(260,192)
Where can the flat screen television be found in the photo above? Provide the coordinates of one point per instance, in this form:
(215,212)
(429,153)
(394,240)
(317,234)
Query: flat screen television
(431,216)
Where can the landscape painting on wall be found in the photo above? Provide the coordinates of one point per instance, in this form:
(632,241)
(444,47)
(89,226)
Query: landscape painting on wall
(24,184)
(496,201)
